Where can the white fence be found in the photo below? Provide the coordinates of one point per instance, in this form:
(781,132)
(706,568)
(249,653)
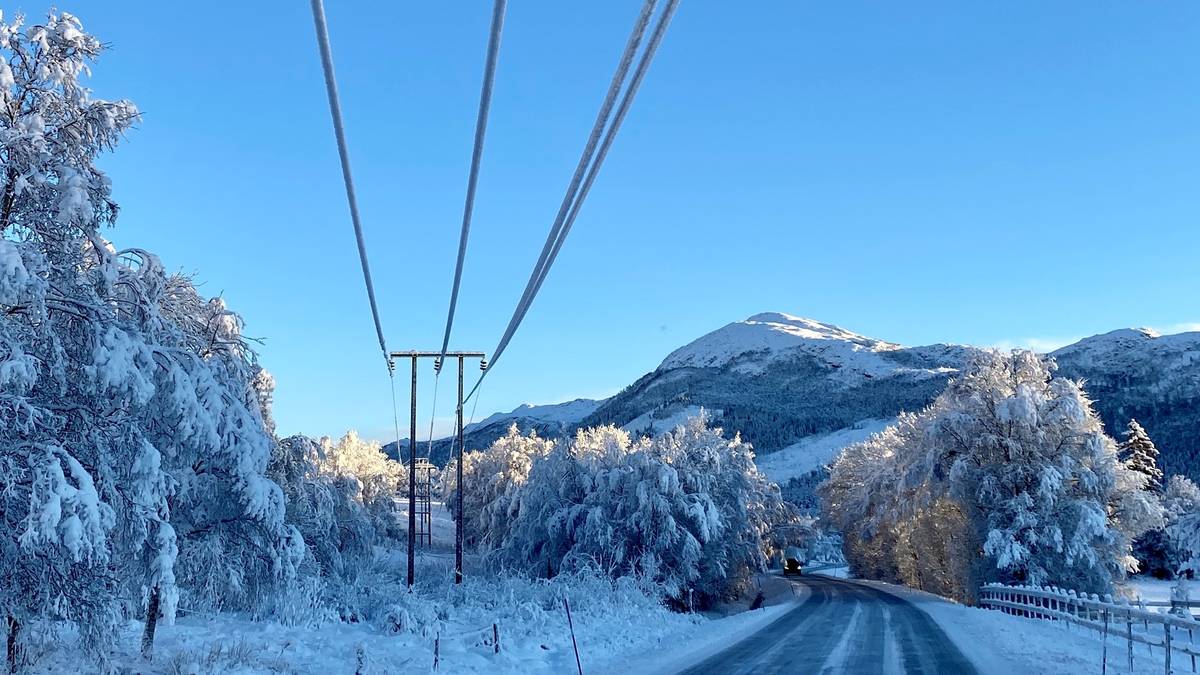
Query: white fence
(1131,623)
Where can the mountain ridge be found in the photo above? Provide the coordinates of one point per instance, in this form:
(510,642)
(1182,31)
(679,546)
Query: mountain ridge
(779,379)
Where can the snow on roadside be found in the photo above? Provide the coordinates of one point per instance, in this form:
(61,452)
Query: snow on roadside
(1000,644)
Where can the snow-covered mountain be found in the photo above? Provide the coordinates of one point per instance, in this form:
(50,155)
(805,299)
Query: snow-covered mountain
(550,421)
(770,337)
(567,413)
(1155,379)
(778,379)
(805,389)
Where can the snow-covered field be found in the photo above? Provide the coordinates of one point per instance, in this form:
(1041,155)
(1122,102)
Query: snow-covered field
(815,451)
(610,622)
(617,629)
(1154,590)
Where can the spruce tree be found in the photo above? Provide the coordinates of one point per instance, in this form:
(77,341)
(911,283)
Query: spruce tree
(1139,454)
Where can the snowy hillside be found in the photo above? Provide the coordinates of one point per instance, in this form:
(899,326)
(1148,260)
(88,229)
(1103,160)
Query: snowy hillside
(566,413)
(779,379)
(813,452)
(549,421)
(1137,373)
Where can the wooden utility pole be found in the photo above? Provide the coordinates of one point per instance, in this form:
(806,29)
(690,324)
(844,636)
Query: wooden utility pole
(412,479)
(412,456)
(458,464)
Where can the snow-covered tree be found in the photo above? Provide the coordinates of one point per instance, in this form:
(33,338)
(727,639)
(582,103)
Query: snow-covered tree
(748,506)
(686,510)
(134,437)
(1181,501)
(378,479)
(1007,476)
(1139,453)
(325,508)
(494,478)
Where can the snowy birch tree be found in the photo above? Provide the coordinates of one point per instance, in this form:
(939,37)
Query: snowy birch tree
(494,478)
(134,437)
(687,510)
(1007,476)
(377,478)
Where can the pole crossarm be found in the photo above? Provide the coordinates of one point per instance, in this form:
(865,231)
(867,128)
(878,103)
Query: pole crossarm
(435,353)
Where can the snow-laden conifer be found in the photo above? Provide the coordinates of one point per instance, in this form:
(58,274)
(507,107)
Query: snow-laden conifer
(1139,453)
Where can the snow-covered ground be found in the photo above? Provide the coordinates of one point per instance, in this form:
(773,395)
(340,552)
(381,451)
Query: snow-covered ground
(816,451)
(609,622)
(1155,590)
(647,422)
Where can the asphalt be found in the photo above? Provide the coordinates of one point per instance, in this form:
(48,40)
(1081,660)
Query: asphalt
(843,627)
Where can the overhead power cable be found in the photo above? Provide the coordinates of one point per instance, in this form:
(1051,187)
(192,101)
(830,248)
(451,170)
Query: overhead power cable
(609,136)
(335,110)
(587,169)
(481,120)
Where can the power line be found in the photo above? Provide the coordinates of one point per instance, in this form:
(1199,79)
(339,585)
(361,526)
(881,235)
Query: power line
(609,136)
(335,110)
(580,185)
(602,118)
(485,102)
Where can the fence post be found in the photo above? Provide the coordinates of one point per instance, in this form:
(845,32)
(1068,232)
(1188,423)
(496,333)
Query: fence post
(436,650)
(1129,635)
(1104,648)
(1167,645)
(496,637)
(574,644)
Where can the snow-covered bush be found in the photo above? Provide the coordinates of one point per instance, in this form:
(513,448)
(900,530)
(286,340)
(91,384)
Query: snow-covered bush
(1008,476)
(134,439)
(687,510)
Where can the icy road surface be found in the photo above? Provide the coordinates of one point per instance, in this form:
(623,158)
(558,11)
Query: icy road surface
(844,627)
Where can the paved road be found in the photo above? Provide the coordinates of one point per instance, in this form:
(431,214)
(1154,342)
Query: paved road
(844,627)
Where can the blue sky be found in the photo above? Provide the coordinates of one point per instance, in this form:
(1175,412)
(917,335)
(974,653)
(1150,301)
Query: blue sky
(989,173)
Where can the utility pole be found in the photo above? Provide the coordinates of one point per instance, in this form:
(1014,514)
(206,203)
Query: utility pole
(412,479)
(412,456)
(458,512)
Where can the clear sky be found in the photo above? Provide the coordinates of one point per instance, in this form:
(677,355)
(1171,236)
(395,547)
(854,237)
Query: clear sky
(975,172)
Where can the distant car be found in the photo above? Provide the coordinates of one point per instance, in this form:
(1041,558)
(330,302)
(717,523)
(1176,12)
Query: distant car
(793,562)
